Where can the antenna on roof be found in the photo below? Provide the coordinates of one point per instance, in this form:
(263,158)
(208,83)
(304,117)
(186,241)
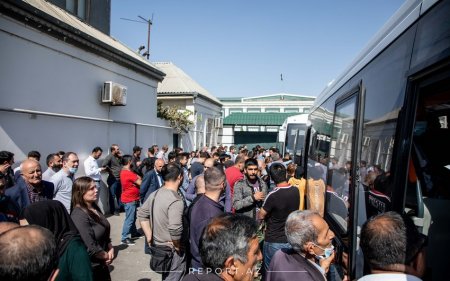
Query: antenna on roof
(149,22)
(282,84)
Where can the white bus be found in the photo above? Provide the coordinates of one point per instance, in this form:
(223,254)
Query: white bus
(389,112)
(292,134)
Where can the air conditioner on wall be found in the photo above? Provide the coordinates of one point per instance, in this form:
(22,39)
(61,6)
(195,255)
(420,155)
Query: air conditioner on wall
(218,122)
(114,93)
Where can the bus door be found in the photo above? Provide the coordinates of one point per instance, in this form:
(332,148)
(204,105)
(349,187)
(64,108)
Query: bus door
(343,198)
(427,196)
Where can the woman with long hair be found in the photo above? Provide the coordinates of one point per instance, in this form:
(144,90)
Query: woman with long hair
(94,228)
(73,261)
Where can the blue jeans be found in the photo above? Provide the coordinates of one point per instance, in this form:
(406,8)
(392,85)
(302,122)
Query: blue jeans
(270,249)
(115,191)
(129,225)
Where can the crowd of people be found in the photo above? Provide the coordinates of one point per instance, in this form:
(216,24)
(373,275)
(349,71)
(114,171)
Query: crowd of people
(215,214)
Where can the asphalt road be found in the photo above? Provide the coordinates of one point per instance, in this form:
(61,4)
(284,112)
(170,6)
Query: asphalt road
(131,263)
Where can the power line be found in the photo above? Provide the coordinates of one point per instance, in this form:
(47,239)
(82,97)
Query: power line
(149,22)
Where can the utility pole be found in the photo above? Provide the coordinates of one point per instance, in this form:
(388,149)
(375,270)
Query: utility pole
(149,22)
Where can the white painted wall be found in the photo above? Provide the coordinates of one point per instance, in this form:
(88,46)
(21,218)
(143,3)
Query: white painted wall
(263,105)
(40,73)
(227,136)
(207,110)
(196,137)
(181,103)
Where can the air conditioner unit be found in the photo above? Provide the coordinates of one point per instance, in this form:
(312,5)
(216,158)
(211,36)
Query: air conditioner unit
(218,122)
(114,93)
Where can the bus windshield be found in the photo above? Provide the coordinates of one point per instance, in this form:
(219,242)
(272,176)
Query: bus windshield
(295,135)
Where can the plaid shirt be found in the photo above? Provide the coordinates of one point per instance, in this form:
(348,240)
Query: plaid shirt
(35,194)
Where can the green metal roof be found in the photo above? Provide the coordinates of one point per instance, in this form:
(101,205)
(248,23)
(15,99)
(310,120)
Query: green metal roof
(257,119)
(274,97)
(236,99)
(279,97)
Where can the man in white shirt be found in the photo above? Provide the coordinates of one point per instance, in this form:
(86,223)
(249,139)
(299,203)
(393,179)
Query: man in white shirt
(162,154)
(232,153)
(92,170)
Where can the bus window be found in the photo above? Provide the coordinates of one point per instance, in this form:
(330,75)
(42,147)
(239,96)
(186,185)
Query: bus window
(292,133)
(340,167)
(295,138)
(319,143)
(376,157)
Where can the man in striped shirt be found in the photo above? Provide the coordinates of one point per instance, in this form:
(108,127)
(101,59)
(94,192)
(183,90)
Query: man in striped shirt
(279,203)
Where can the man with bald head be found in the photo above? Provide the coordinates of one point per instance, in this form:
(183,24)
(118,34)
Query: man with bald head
(32,188)
(28,253)
(225,197)
(152,180)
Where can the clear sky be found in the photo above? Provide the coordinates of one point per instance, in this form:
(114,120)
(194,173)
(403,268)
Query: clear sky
(239,48)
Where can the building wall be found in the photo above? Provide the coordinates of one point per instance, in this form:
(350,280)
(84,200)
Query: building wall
(186,141)
(265,106)
(227,135)
(203,133)
(97,12)
(40,74)
(181,103)
(206,112)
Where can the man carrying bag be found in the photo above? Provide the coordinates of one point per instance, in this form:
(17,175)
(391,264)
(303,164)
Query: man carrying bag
(164,209)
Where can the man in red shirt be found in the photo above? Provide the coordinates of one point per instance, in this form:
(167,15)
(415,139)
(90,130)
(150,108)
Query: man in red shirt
(235,173)
(130,182)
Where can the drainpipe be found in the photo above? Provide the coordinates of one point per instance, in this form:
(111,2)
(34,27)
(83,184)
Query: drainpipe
(135,134)
(195,120)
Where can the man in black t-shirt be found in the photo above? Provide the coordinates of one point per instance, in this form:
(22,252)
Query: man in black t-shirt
(148,163)
(279,203)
